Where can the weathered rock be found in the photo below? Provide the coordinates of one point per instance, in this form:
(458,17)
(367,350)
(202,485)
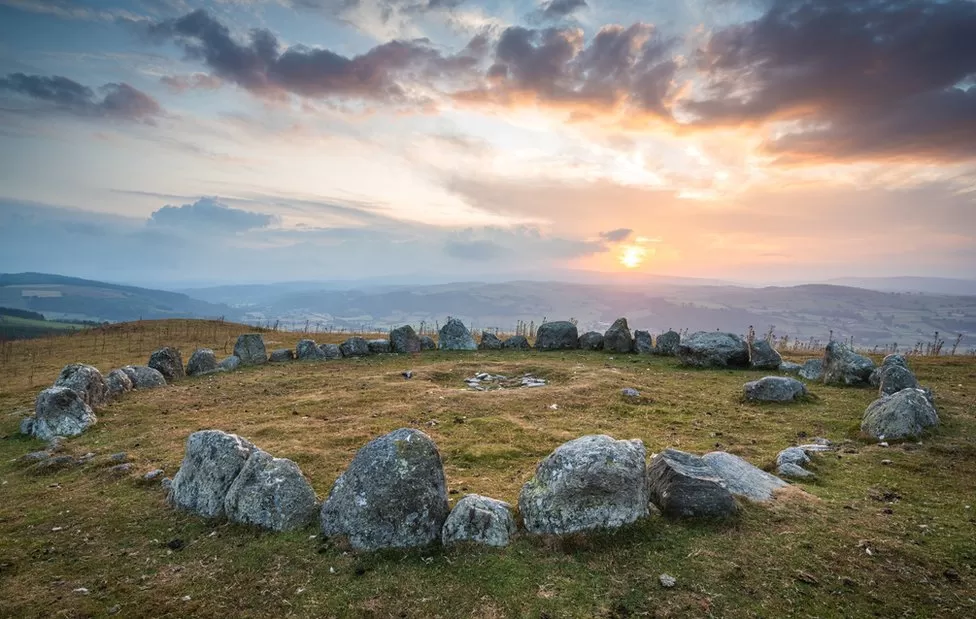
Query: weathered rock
(630,392)
(788,367)
(667,344)
(281,355)
(117,382)
(27,426)
(86,381)
(392,495)
(354,347)
(271,493)
(762,356)
(843,366)
(427,343)
(617,338)
(250,349)
(559,335)
(742,478)
(60,411)
(683,485)
(591,340)
(812,369)
(792,455)
(895,359)
(516,342)
(143,377)
(331,351)
(153,475)
(211,463)
(308,350)
(229,364)
(643,343)
(890,360)
(894,378)
(455,336)
(481,520)
(593,482)
(489,341)
(794,471)
(711,349)
(404,340)
(378,346)
(774,389)
(905,414)
(202,361)
(168,362)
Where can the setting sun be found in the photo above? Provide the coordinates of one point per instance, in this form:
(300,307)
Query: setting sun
(633,256)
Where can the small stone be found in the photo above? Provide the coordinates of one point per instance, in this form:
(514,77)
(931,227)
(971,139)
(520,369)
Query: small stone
(408,374)
(81,591)
(153,475)
(629,392)
(886,462)
(667,580)
(120,470)
(114,610)
(119,457)
(793,470)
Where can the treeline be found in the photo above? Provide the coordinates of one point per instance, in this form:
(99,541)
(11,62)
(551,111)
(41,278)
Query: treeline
(19,313)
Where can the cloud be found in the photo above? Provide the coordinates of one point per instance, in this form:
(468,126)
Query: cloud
(118,101)
(194,81)
(616,236)
(853,79)
(559,9)
(207,214)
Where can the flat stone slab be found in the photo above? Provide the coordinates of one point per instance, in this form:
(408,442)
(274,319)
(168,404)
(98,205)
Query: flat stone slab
(742,478)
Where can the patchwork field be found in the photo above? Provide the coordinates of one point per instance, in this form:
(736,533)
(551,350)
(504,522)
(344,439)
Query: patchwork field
(882,531)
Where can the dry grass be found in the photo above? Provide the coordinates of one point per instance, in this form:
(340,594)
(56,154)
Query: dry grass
(802,555)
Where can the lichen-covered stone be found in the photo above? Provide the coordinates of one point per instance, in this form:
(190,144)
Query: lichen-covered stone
(591,340)
(643,342)
(667,344)
(281,355)
(117,382)
(354,347)
(202,361)
(683,485)
(59,411)
(229,364)
(271,493)
(489,341)
(86,380)
(404,340)
(774,389)
(905,414)
(559,335)
(250,349)
(894,378)
(762,356)
(308,350)
(378,346)
(168,362)
(480,520)
(331,351)
(212,461)
(144,377)
(427,343)
(455,336)
(617,338)
(812,369)
(742,478)
(843,366)
(516,342)
(711,349)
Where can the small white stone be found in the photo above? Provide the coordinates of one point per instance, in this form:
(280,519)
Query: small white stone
(185,598)
(667,580)
(81,591)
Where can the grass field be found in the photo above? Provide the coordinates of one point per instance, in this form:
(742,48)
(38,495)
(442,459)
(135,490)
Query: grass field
(863,539)
(13,327)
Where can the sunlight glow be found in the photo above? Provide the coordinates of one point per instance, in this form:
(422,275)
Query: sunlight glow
(633,256)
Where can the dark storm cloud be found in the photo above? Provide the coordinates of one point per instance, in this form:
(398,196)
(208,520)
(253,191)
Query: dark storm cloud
(57,93)
(209,214)
(861,77)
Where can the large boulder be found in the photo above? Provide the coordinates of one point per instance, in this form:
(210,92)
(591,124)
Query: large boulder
(117,382)
(742,478)
(144,377)
(308,350)
(906,414)
(455,336)
(894,378)
(354,347)
(774,389)
(330,351)
(250,349)
(229,364)
(270,493)
(591,340)
(281,355)
(516,342)
(843,366)
(489,341)
(890,360)
(404,340)
(711,349)
(812,369)
(683,485)
(762,356)
(202,361)
(559,335)
(59,411)
(593,482)
(643,342)
(378,346)
(427,343)
(86,380)
(393,494)
(481,520)
(667,343)
(618,339)
(168,362)
(212,461)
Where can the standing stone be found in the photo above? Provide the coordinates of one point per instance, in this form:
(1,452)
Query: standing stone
(812,369)
(711,349)
(906,414)
(378,346)
(618,339)
(591,340)
(427,343)
(143,377)
(211,463)
(249,348)
(774,389)
(393,494)
(271,493)
(489,341)
(331,351)
(516,342)
(481,520)
(354,347)
(202,361)
(593,482)
(762,356)
(404,340)
(117,383)
(168,362)
(229,364)
(890,360)
(86,381)
(843,366)
(281,355)
(742,478)
(308,350)
(455,336)
(683,485)
(667,344)
(60,411)
(559,335)
(643,344)
(894,378)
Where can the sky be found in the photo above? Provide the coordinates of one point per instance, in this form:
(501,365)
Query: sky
(235,141)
